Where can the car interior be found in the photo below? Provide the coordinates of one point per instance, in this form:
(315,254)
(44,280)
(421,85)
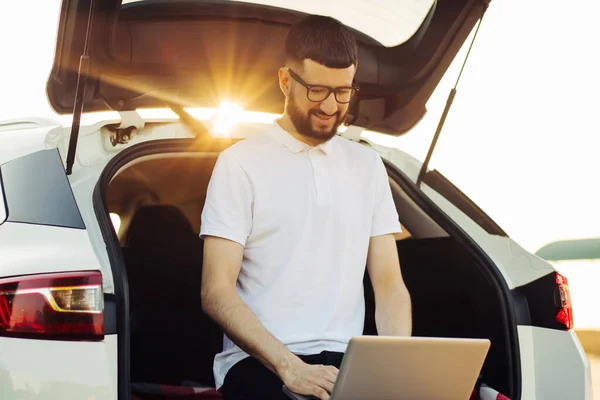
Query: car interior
(159,201)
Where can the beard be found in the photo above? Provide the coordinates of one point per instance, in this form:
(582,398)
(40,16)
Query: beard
(306,126)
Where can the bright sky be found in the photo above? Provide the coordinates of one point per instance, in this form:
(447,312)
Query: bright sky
(522,138)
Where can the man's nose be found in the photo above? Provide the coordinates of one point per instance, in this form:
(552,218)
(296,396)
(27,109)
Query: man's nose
(329,106)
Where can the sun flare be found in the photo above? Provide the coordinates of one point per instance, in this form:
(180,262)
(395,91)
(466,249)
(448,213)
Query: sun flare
(228,115)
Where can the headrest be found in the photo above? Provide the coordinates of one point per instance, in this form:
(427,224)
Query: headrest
(158,224)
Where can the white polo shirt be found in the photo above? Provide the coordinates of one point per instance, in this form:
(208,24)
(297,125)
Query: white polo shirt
(304,216)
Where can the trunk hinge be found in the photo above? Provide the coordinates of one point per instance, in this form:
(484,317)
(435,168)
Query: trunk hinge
(449,101)
(82,74)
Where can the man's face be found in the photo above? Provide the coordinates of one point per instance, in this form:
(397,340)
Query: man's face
(318,119)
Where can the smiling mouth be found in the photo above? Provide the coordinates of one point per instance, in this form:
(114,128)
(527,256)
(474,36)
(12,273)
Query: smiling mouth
(324,117)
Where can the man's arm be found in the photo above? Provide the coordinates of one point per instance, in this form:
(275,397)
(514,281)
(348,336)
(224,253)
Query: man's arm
(221,267)
(392,300)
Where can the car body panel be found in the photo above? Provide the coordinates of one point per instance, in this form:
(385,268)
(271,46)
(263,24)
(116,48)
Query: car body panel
(48,370)
(38,249)
(518,266)
(408,164)
(25,124)
(554,365)
(20,142)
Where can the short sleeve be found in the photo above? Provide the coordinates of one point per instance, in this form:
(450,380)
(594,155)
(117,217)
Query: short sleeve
(385,215)
(227,211)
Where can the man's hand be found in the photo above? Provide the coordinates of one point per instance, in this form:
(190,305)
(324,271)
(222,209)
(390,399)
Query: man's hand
(307,379)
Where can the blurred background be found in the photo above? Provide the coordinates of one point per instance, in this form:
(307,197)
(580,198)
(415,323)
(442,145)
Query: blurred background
(522,138)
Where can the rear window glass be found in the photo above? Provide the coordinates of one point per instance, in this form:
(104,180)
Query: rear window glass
(37,191)
(390,22)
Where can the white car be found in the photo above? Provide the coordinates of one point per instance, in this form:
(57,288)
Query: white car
(100,259)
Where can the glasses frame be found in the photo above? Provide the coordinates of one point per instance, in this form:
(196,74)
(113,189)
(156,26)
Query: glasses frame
(355,88)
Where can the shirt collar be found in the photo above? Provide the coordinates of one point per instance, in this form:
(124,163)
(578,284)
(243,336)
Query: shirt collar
(295,145)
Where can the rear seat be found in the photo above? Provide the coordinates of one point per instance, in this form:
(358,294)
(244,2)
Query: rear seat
(172,339)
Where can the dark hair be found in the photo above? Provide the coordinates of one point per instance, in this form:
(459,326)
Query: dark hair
(322,39)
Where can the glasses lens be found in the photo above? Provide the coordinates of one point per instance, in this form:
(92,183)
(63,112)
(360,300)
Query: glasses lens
(318,93)
(344,95)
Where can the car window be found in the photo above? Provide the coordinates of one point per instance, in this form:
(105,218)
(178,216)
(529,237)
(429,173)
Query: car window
(37,191)
(390,22)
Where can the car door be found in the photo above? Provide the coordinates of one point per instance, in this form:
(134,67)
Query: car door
(57,325)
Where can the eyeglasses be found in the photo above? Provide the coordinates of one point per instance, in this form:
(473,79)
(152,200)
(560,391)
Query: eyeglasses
(318,93)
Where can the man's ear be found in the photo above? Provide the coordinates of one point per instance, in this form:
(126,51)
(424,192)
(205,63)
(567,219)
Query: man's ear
(284,81)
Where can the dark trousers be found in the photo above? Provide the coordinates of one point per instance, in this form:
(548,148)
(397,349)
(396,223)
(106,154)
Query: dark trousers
(250,380)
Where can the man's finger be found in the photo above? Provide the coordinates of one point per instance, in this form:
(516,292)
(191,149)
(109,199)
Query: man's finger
(329,377)
(330,373)
(321,393)
(327,385)
(332,369)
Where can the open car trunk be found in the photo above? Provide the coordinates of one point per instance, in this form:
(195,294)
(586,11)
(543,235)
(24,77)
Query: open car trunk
(158,190)
(124,55)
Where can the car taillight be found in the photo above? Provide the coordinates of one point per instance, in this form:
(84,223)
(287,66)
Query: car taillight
(53,306)
(565,314)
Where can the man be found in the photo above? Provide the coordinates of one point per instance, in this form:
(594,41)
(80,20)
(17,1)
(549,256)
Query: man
(290,220)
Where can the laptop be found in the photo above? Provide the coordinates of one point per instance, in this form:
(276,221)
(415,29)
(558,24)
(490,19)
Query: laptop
(415,368)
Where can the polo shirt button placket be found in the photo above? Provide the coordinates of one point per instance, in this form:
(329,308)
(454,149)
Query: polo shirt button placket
(312,156)
(318,160)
